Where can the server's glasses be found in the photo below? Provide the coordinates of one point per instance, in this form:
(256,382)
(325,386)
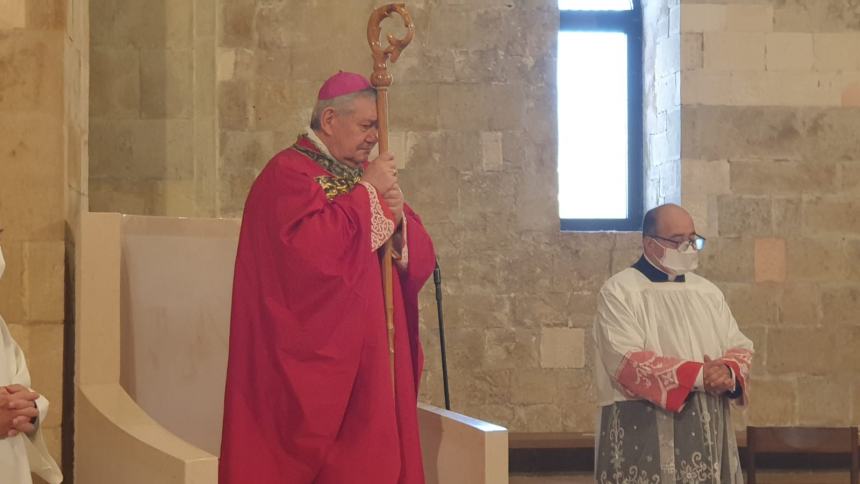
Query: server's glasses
(697,241)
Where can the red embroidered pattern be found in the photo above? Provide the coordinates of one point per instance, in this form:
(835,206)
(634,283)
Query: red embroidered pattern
(662,380)
(740,361)
(743,358)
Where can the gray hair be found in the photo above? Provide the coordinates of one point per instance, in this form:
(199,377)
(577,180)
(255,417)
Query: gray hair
(340,104)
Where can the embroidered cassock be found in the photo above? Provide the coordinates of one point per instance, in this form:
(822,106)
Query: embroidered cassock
(309,394)
(657,424)
(23,454)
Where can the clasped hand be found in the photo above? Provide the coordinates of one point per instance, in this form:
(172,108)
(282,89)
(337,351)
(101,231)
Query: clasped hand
(17,410)
(717,377)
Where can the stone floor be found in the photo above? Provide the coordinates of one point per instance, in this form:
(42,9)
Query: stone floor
(769,477)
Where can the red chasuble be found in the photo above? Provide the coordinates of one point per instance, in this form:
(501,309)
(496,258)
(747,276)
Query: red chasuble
(309,396)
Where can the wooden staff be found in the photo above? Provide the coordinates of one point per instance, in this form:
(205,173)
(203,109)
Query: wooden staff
(381,80)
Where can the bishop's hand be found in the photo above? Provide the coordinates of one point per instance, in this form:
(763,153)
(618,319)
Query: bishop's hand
(394,199)
(381,173)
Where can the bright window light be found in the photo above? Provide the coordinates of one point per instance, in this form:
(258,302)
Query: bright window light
(595,5)
(593,125)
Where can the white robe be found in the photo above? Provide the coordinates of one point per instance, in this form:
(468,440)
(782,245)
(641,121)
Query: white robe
(651,337)
(22,454)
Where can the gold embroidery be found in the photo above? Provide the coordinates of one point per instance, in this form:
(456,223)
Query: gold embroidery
(342,179)
(335,186)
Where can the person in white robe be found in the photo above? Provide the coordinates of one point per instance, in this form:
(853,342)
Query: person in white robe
(22,411)
(670,362)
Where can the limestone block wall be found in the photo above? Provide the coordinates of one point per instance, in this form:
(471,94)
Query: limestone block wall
(771,158)
(749,115)
(152,108)
(665,50)
(750,111)
(42,152)
(473,126)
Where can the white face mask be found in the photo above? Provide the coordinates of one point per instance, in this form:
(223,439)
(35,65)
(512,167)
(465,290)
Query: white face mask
(680,262)
(2,263)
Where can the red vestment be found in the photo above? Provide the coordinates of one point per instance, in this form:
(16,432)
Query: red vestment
(309,395)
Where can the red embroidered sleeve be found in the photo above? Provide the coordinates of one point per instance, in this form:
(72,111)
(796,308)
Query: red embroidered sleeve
(739,360)
(662,380)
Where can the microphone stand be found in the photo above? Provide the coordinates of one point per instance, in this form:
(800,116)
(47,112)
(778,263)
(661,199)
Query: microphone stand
(437,280)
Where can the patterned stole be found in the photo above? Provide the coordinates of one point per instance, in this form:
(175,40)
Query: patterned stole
(343,178)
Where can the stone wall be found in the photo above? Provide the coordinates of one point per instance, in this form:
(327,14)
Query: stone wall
(152,108)
(473,126)
(771,159)
(663,47)
(749,121)
(748,114)
(42,155)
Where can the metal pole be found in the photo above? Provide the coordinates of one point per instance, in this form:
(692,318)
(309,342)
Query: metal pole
(437,280)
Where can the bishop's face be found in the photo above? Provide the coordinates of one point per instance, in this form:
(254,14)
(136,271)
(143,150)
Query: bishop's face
(355,132)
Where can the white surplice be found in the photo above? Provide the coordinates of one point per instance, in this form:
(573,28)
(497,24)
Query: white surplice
(22,454)
(652,334)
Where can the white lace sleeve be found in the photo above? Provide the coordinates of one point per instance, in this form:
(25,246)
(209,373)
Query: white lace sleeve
(381,228)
